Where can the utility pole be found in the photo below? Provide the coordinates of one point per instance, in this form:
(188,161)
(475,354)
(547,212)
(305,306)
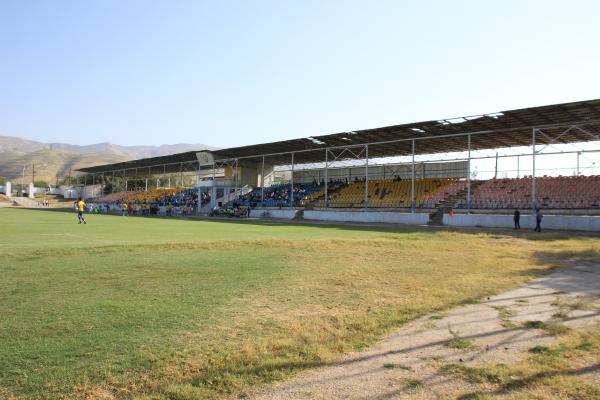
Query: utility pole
(23,181)
(33,174)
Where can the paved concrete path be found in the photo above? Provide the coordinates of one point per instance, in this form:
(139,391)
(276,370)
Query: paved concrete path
(406,365)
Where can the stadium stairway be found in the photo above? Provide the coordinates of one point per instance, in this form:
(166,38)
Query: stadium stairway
(299,214)
(226,199)
(450,203)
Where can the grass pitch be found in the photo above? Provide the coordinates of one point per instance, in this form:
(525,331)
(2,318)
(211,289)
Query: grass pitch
(180,309)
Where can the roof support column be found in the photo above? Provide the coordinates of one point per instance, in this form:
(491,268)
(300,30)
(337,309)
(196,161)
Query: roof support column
(262,182)
(292,181)
(237,172)
(533,200)
(366,176)
(468,174)
(199,202)
(213,189)
(496,167)
(412,179)
(326,182)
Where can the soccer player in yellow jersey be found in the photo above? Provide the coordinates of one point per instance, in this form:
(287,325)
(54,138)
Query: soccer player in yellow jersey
(80,210)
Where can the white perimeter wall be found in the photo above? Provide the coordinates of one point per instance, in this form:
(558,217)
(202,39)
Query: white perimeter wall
(283,214)
(567,222)
(368,216)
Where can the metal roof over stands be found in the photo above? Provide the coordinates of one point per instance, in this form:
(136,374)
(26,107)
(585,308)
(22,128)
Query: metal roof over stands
(488,131)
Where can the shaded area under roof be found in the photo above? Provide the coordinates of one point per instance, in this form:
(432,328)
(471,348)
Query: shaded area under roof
(502,129)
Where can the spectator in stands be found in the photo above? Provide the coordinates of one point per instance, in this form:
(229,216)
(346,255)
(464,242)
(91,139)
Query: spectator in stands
(124,209)
(517,218)
(538,220)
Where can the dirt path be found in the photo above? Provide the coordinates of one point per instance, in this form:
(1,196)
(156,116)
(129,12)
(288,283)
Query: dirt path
(406,365)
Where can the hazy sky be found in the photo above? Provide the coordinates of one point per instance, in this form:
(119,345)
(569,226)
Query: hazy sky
(233,73)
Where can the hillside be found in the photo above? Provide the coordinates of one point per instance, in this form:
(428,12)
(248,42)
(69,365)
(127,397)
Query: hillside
(49,163)
(14,144)
(56,159)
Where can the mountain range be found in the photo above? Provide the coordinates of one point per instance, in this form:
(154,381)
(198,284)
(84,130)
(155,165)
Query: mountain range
(52,160)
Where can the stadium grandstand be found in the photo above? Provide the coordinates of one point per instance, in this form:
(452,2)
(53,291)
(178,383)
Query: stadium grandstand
(454,171)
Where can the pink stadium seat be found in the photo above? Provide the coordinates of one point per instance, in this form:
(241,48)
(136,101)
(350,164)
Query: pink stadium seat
(563,192)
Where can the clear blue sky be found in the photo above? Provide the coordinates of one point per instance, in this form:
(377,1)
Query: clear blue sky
(232,73)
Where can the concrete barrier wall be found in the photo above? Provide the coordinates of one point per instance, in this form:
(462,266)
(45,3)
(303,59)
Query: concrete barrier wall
(282,214)
(567,222)
(368,216)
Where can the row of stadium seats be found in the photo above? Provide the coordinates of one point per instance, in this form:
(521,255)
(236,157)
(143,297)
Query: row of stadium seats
(393,193)
(157,197)
(153,195)
(115,197)
(563,192)
(278,195)
(551,192)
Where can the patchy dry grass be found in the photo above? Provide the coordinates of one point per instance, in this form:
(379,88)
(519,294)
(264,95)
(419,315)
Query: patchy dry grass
(568,370)
(470,374)
(551,327)
(167,309)
(568,304)
(505,313)
(397,366)
(413,383)
(458,342)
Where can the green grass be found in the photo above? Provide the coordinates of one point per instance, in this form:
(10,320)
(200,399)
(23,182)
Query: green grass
(458,342)
(551,327)
(169,308)
(470,374)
